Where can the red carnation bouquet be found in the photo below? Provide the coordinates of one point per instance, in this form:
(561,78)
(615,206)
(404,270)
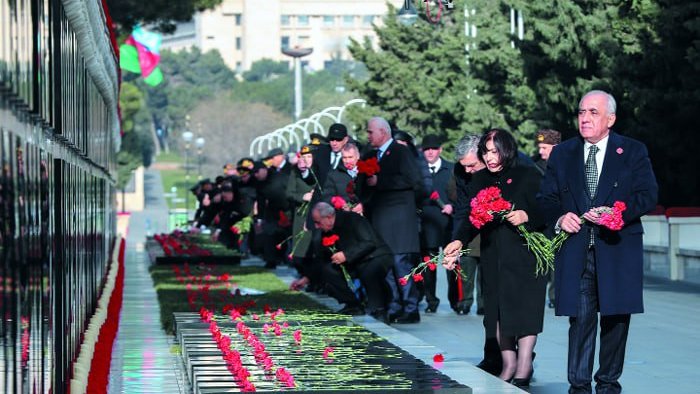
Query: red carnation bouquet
(610,218)
(489,203)
(368,167)
(329,242)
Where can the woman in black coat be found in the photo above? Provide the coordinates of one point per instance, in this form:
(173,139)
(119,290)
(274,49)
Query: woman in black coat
(513,295)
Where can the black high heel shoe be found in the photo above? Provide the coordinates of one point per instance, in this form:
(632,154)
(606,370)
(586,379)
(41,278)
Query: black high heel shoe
(523,382)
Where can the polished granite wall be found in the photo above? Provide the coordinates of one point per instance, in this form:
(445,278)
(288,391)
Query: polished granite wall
(56,196)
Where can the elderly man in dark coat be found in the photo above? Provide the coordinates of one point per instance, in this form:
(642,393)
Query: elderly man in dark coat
(363,254)
(389,199)
(598,270)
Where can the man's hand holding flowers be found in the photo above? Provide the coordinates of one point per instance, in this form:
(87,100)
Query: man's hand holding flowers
(338,258)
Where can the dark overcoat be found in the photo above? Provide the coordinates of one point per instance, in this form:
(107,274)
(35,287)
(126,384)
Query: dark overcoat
(513,294)
(436,227)
(626,176)
(391,204)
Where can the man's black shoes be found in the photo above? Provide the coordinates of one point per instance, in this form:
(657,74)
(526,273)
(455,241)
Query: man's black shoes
(407,318)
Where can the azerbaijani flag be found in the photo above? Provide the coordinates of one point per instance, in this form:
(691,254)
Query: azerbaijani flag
(140,54)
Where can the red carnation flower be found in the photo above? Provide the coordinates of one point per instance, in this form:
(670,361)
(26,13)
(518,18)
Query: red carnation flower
(338,202)
(438,358)
(330,240)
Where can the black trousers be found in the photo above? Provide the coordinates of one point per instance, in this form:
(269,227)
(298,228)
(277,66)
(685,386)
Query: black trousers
(372,275)
(582,339)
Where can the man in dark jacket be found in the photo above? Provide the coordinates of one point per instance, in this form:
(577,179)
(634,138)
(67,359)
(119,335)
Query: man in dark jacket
(436,216)
(363,254)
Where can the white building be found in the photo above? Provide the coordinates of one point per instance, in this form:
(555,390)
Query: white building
(245,31)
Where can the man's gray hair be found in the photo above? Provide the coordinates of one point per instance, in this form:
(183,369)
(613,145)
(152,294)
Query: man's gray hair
(324,209)
(382,123)
(468,144)
(612,104)
(351,147)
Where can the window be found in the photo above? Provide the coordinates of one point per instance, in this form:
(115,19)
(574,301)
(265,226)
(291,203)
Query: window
(305,65)
(238,19)
(284,42)
(303,20)
(328,20)
(284,20)
(303,41)
(238,43)
(348,20)
(239,67)
(367,20)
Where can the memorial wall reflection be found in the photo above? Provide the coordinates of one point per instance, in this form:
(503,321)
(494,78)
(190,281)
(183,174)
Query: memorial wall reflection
(56,196)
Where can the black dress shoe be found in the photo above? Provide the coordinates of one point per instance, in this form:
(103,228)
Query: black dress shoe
(551,304)
(462,310)
(432,307)
(353,310)
(408,318)
(480,311)
(380,314)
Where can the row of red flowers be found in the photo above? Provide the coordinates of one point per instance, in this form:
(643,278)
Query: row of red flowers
(176,244)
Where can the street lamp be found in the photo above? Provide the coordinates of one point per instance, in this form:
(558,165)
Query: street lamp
(199,143)
(187,136)
(408,14)
(297,54)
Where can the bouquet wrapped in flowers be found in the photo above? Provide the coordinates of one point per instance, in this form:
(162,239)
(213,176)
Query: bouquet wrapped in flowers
(610,218)
(430,263)
(489,203)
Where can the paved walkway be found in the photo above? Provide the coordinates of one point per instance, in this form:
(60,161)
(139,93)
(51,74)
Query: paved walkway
(661,349)
(660,357)
(141,359)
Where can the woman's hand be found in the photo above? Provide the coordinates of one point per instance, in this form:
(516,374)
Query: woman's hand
(516,218)
(452,254)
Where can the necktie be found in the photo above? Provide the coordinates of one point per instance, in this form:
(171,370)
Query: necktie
(379,154)
(591,169)
(334,160)
(432,169)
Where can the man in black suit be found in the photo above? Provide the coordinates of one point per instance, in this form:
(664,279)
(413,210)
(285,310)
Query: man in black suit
(328,157)
(363,254)
(389,201)
(598,270)
(436,216)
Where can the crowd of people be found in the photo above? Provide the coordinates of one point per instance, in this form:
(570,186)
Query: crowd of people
(356,220)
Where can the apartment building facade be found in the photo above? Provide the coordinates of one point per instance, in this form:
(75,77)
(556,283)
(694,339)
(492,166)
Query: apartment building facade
(245,31)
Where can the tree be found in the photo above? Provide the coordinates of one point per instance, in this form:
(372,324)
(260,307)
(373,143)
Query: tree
(137,144)
(423,79)
(161,13)
(265,69)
